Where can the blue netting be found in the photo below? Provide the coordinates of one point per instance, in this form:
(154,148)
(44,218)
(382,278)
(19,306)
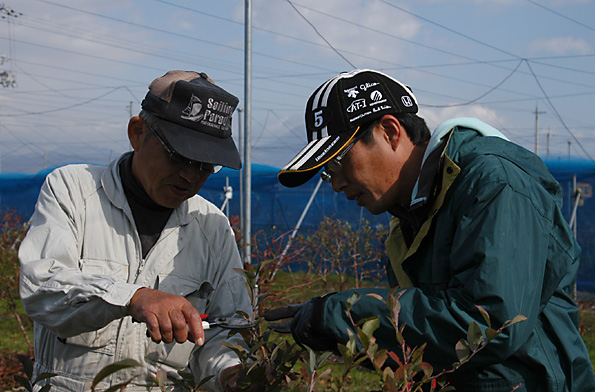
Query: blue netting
(274,206)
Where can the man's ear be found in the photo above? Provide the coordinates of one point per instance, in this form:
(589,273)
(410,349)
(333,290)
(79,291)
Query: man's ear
(393,130)
(136,131)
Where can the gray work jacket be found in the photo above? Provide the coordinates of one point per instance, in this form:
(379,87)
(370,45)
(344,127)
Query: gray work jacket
(81,262)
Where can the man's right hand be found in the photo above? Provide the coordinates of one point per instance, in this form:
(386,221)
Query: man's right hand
(168,317)
(306,323)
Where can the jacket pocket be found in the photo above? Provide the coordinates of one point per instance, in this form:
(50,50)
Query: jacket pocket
(176,354)
(103,339)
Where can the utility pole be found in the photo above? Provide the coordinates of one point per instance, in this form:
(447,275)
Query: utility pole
(7,78)
(537,113)
(241,148)
(548,144)
(247,218)
(569,143)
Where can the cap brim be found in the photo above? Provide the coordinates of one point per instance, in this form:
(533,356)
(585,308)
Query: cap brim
(200,146)
(312,158)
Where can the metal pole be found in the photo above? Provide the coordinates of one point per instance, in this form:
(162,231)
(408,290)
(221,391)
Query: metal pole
(537,113)
(241,184)
(247,139)
(576,193)
(297,226)
(537,129)
(299,222)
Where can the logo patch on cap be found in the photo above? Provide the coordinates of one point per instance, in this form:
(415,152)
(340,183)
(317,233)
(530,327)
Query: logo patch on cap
(192,111)
(356,105)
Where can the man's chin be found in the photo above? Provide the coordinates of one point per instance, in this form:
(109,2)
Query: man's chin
(372,208)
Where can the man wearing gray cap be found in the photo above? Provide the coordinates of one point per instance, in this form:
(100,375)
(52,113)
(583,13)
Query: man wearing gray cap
(120,262)
(476,221)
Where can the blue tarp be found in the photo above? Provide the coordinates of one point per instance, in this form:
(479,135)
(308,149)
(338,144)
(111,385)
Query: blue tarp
(278,207)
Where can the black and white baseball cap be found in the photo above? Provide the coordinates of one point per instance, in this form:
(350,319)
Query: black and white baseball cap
(194,115)
(335,113)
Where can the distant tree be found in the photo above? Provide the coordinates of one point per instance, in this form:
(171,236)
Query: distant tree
(12,233)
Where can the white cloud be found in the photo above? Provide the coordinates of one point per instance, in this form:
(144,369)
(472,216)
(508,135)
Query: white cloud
(434,117)
(561,46)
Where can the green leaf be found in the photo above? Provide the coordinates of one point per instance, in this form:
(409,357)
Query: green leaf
(485,315)
(517,319)
(380,358)
(427,369)
(44,376)
(370,326)
(250,289)
(353,299)
(27,365)
(345,353)
(312,363)
(114,367)
(121,386)
(491,334)
(262,297)
(322,359)
(23,381)
(462,349)
(203,381)
(474,336)
(160,377)
(365,340)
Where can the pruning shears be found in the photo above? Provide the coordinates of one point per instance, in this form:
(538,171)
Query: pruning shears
(226,322)
(223,322)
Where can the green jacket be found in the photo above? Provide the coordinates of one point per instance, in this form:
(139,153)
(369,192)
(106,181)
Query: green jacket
(491,234)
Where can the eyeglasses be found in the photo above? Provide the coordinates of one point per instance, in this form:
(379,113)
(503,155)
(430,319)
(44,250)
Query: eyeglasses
(179,160)
(334,165)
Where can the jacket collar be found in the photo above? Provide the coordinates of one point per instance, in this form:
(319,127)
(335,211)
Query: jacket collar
(435,151)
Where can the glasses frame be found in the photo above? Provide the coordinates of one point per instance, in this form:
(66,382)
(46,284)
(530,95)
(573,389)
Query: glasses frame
(179,160)
(334,164)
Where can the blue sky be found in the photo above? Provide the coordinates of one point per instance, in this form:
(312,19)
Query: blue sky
(81,67)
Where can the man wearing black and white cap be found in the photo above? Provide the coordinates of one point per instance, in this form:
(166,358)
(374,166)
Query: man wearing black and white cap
(476,221)
(120,262)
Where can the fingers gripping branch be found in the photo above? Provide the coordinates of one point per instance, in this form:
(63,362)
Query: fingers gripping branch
(168,316)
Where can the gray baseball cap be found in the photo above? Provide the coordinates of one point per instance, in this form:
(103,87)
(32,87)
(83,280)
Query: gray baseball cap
(194,115)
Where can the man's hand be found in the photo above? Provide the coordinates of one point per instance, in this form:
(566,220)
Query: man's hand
(167,316)
(305,324)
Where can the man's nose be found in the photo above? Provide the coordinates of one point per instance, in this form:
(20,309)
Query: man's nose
(338,182)
(192,173)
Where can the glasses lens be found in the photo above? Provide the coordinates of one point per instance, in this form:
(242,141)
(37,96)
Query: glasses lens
(205,167)
(178,159)
(333,166)
(325,176)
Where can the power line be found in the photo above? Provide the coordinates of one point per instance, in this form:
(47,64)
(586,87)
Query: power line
(320,35)
(451,30)
(482,95)
(63,108)
(561,15)
(558,114)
